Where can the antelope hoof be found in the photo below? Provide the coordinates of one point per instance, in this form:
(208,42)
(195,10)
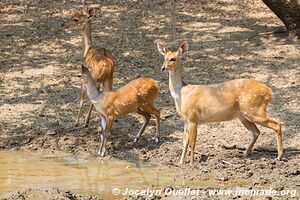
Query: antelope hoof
(136,140)
(156,140)
(278,158)
(101,154)
(99,131)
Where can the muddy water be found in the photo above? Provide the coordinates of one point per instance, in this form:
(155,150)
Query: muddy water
(20,170)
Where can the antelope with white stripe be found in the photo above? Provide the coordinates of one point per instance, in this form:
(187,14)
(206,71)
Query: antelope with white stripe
(137,96)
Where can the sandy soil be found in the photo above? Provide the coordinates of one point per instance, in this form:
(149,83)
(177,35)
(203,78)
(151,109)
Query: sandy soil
(54,193)
(39,81)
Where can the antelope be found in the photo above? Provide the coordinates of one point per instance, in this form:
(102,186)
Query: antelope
(99,60)
(245,99)
(137,96)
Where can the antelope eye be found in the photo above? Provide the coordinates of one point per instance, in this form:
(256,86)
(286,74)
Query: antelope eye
(173,59)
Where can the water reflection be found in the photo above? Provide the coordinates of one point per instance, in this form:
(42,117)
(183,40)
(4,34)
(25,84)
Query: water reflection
(21,170)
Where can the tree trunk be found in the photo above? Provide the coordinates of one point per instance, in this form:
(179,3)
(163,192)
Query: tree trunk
(288,11)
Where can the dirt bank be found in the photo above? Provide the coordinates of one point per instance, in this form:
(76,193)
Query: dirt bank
(49,194)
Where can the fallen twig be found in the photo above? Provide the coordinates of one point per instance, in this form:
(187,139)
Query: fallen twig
(42,109)
(228,163)
(268,33)
(168,115)
(260,149)
(275,150)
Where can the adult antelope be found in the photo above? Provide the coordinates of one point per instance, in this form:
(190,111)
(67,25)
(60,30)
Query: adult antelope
(99,60)
(245,99)
(137,96)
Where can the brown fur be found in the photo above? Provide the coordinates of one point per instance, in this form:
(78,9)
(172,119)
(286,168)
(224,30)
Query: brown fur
(137,96)
(245,99)
(101,63)
(99,60)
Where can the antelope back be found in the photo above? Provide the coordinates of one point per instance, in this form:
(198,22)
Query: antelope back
(146,89)
(101,63)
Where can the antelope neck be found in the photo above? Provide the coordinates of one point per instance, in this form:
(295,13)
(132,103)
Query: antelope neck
(92,90)
(86,36)
(175,83)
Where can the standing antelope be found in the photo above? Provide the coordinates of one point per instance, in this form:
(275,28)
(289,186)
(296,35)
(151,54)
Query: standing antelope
(137,96)
(245,99)
(99,60)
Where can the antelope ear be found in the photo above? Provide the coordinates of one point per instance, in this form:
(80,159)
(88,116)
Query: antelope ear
(85,8)
(183,49)
(91,14)
(84,70)
(161,48)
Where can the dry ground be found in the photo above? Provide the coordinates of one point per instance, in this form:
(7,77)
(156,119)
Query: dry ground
(39,81)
